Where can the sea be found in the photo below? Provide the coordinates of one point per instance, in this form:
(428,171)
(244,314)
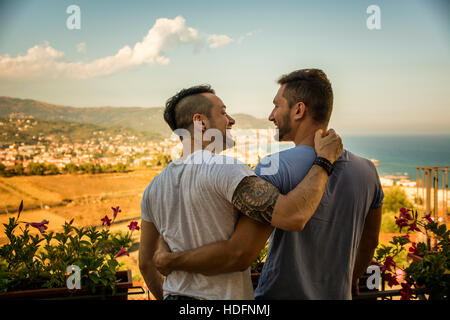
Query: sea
(399,155)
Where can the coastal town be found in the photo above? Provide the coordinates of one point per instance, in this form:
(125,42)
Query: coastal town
(101,149)
(87,152)
(251,145)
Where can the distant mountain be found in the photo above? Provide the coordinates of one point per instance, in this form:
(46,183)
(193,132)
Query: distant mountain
(136,118)
(140,119)
(245,121)
(32,131)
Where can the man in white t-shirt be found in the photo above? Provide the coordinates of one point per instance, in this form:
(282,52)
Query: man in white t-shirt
(197,199)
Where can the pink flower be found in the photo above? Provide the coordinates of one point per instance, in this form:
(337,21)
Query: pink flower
(121,252)
(391,279)
(71,221)
(404,213)
(41,226)
(428,218)
(406,291)
(106,221)
(401,222)
(116,210)
(133,226)
(413,249)
(399,274)
(413,227)
(388,263)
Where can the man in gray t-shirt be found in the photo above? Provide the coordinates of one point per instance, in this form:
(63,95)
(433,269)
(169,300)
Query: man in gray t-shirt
(328,255)
(317,263)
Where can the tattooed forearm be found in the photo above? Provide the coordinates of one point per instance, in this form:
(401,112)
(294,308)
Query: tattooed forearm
(256,198)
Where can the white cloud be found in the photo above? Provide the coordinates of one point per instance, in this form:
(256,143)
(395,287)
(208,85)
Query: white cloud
(243,37)
(218,40)
(165,35)
(81,47)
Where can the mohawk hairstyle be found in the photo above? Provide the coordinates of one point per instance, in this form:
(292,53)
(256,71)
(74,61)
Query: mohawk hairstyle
(182,106)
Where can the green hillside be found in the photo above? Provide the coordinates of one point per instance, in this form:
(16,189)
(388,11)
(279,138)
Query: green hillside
(245,121)
(137,118)
(30,131)
(140,119)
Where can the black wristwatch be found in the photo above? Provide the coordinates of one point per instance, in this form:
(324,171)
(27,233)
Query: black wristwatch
(324,163)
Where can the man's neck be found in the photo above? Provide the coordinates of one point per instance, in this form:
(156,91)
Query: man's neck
(305,135)
(191,146)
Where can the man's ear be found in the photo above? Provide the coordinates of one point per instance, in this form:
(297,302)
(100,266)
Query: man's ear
(299,111)
(199,119)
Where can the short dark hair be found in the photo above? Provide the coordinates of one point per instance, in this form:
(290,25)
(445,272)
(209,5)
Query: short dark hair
(182,106)
(312,87)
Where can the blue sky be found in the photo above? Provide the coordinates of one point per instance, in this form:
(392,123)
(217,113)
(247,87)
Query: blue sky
(392,80)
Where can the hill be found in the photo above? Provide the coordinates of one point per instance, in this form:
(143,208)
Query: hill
(136,118)
(245,121)
(30,131)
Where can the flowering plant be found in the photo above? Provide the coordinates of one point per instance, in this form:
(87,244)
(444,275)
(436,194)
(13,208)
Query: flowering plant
(40,261)
(430,270)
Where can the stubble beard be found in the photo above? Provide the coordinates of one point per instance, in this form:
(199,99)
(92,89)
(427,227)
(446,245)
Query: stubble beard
(283,129)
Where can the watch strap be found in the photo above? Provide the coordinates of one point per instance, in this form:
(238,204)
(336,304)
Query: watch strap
(324,163)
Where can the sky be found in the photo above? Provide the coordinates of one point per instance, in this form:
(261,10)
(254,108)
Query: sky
(390,80)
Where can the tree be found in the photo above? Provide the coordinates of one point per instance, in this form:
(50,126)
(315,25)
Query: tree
(120,167)
(52,169)
(87,168)
(70,168)
(18,170)
(394,199)
(388,222)
(107,168)
(161,160)
(37,169)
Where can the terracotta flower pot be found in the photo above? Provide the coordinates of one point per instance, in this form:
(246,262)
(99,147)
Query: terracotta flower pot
(124,283)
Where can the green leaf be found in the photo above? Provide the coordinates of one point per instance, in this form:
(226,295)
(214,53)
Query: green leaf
(441,230)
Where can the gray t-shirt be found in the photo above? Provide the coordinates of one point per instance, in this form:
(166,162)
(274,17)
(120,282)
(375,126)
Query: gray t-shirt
(317,263)
(189,203)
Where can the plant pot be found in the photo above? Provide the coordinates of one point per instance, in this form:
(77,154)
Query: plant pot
(124,282)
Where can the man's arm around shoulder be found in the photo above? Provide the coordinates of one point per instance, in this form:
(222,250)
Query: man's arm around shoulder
(260,200)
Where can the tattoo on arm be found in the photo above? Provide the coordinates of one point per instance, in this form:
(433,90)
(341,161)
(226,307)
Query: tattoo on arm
(256,198)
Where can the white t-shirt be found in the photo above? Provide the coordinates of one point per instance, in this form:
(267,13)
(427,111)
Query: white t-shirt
(189,203)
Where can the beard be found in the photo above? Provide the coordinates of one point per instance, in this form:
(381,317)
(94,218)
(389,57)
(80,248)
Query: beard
(228,141)
(284,128)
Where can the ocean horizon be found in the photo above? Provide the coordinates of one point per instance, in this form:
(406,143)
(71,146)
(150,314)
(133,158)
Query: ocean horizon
(399,155)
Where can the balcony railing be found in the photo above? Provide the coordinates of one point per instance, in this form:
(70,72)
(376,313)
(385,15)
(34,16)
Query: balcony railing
(432,190)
